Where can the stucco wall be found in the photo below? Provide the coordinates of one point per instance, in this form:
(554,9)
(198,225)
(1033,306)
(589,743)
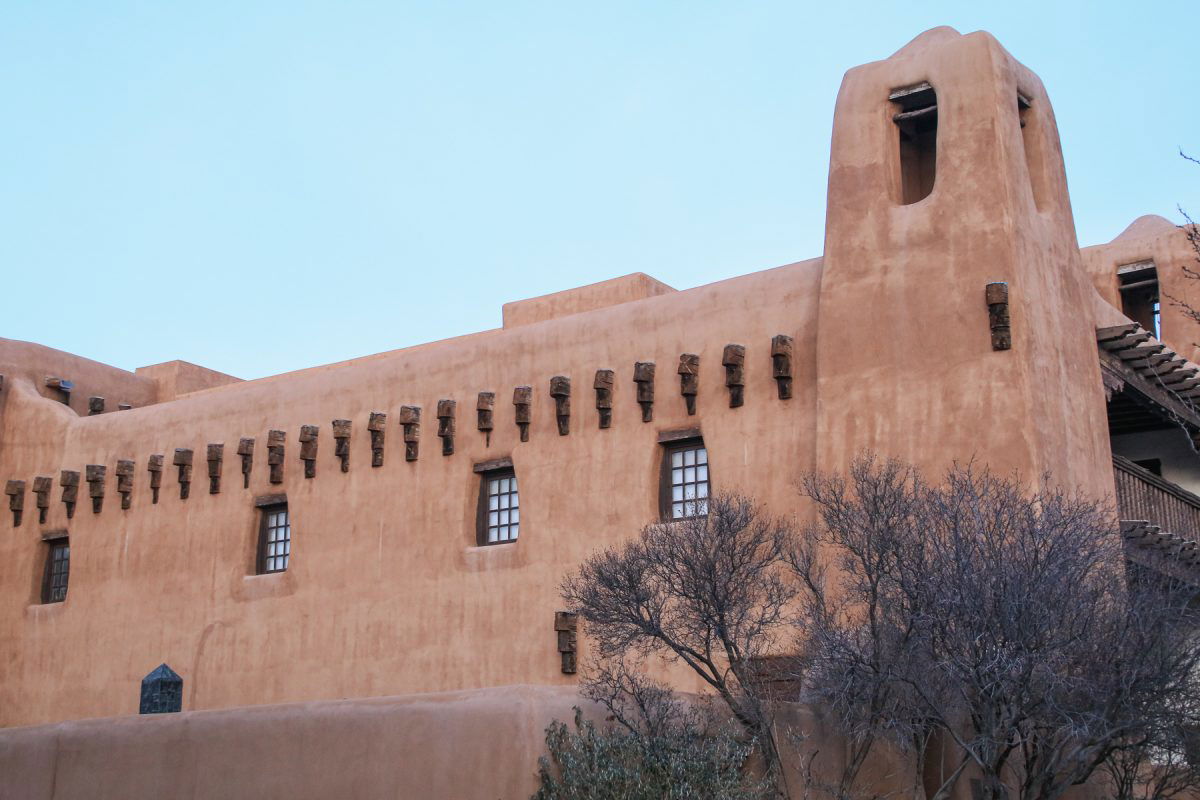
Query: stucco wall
(461,745)
(1153,238)
(386,592)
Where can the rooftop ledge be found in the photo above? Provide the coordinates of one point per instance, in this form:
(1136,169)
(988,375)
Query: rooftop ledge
(627,288)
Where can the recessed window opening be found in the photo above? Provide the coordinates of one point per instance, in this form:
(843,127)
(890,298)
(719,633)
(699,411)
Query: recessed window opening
(499,517)
(916,125)
(275,539)
(685,480)
(1139,295)
(1031,147)
(58,570)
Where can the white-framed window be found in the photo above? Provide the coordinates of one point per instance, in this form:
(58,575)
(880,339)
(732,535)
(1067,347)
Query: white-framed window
(687,481)
(502,515)
(275,544)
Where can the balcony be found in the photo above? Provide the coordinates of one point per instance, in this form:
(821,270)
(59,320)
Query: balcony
(1160,521)
(1142,495)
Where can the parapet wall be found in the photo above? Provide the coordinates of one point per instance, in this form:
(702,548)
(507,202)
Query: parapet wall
(462,745)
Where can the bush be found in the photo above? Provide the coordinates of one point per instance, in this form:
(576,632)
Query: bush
(614,763)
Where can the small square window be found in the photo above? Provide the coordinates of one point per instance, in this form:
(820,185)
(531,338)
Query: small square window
(684,483)
(58,571)
(274,539)
(499,517)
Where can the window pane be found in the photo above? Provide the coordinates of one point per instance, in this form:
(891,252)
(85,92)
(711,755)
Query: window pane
(493,518)
(677,510)
(493,502)
(676,492)
(512,483)
(677,459)
(504,500)
(676,476)
(689,457)
(514,532)
(702,507)
(689,491)
(702,489)
(689,475)
(702,473)
(702,456)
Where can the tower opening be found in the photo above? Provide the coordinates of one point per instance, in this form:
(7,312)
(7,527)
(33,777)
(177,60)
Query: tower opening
(916,126)
(1139,295)
(1031,146)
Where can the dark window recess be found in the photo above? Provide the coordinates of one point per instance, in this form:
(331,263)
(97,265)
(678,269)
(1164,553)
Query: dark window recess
(916,118)
(499,517)
(1139,295)
(684,484)
(1032,147)
(58,571)
(1153,465)
(274,539)
(162,691)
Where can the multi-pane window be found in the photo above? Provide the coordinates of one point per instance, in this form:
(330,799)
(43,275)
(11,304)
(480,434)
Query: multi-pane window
(503,508)
(687,481)
(58,570)
(275,541)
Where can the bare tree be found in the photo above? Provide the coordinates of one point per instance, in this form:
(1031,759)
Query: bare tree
(858,631)
(705,591)
(997,615)
(979,612)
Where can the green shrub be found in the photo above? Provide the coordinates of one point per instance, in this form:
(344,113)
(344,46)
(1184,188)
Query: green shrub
(615,763)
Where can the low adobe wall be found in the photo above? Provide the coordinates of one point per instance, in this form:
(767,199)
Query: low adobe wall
(472,744)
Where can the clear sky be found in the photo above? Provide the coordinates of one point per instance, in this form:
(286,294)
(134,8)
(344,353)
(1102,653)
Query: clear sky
(263,186)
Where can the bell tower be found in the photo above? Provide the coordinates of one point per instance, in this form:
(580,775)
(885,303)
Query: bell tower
(946,176)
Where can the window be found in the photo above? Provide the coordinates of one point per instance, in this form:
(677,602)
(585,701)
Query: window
(1139,295)
(499,518)
(684,485)
(58,570)
(1031,144)
(275,539)
(916,125)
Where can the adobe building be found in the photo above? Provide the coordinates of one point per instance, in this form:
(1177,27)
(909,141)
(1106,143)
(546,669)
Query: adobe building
(353,569)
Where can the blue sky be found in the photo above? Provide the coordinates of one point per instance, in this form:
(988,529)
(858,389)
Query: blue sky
(258,187)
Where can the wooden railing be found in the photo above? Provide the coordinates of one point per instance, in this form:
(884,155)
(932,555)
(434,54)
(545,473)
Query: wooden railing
(1143,495)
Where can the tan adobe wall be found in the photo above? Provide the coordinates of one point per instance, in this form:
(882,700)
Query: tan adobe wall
(637,286)
(35,363)
(387,592)
(1153,238)
(175,378)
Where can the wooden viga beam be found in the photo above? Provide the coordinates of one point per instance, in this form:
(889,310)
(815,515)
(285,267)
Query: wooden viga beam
(1138,531)
(1120,337)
